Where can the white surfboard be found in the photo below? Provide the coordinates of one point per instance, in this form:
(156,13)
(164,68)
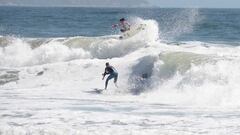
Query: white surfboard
(135,29)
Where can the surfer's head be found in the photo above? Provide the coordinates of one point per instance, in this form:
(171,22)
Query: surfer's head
(122,20)
(107,64)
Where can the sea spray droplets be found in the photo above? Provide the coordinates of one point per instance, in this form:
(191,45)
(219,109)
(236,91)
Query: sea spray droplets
(178,23)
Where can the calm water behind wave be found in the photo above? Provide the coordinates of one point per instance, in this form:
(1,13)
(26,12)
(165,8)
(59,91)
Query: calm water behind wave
(205,25)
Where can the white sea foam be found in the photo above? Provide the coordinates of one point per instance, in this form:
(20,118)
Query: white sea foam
(147,63)
(49,86)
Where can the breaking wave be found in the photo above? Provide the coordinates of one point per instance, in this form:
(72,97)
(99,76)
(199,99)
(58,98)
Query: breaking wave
(192,73)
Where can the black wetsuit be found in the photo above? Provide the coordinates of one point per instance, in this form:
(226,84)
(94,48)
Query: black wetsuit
(112,74)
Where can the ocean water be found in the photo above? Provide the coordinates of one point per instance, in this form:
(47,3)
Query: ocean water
(178,76)
(206,25)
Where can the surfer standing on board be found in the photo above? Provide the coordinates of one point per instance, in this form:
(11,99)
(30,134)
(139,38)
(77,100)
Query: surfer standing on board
(123,25)
(112,74)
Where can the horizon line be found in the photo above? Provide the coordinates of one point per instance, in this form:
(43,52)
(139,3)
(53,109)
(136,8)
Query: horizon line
(73,6)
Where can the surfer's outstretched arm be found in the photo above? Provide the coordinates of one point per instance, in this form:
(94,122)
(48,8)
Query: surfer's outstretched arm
(105,73)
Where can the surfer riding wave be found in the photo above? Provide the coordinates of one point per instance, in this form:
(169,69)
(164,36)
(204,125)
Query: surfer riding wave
(112,74)
(123,25)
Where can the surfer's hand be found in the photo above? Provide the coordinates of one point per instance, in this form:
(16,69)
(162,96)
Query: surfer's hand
(103,76)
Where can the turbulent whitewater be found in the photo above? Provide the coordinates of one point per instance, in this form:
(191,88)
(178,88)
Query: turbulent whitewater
(47,85)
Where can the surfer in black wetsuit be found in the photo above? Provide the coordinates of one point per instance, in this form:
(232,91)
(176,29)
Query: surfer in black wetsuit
(112,74)
(123,24)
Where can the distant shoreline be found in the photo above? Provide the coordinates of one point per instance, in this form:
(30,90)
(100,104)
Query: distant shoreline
(113,7)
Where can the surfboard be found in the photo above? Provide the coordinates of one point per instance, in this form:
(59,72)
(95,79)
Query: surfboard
(135,29)
(98,91)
